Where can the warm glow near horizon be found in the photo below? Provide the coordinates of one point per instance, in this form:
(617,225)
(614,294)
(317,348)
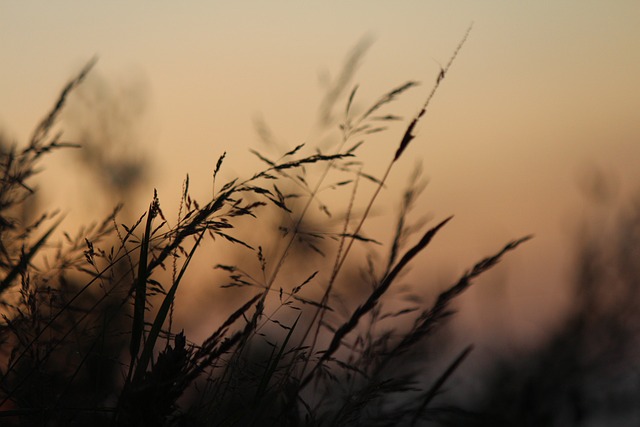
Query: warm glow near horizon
(540,95)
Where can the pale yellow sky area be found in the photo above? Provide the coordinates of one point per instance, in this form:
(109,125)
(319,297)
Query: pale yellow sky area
(541,94)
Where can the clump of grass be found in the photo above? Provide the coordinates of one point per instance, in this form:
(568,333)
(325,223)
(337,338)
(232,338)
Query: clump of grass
(92,339)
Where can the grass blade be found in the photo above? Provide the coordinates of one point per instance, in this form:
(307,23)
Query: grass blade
(147,351)
(435,388)
(25,258)
(140,289)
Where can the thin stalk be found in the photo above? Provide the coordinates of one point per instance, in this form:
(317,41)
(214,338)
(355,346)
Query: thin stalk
(404,143)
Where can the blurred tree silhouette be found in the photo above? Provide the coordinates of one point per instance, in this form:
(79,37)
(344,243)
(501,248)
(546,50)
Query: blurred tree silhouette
(105,117)
(587,371)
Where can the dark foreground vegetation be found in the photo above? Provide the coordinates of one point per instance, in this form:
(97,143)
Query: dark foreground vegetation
(88,334)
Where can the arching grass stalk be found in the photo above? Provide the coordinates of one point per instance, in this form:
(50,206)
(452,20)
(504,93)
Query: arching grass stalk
(372,300)
(404,143)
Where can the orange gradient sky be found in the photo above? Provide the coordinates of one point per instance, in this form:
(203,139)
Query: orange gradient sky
(542,94)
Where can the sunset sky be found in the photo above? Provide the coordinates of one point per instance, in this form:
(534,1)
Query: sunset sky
(542,97)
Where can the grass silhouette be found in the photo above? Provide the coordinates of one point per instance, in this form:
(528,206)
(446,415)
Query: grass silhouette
(87,332)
